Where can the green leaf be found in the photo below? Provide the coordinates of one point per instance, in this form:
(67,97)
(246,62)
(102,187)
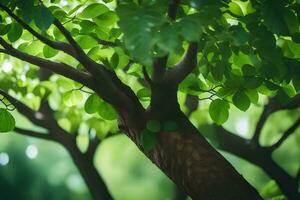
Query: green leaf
(72,98)
(106,19)
(153,126)
(5,2)
(15,32)
(87,26)
(106,111)
(168,40)
(190,27)
(241,100)
(114,61)
(4,28)
(219,111)
(248,70)
(272,16)
(271,86)
(291,20)
(27,10)
(43,18)
(75,9)
(7,121)
(239,35)
(217,71)
(282,96)
(235,8)
(148,140)
(170,126)
(139,26)
(252,82)
(253,95)
(93,10)
(144,94)
(86,41)
(49,52)
(92,104)
(296,37)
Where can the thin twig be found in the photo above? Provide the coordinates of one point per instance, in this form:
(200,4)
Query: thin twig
(286,134)
(34,134)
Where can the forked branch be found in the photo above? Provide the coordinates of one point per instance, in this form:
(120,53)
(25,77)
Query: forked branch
(178,73)
(261,122)
(286,134)
(81,56)
(271,107)
(160,64)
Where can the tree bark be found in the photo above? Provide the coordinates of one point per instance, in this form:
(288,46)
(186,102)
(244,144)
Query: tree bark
(187,158)
(179,194)
(86,167)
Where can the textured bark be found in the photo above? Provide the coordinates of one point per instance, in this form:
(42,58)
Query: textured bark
(86,167)
(194,165)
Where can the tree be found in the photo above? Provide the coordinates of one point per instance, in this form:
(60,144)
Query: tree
(232,51)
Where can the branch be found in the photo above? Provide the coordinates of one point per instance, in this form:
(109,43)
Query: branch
(105,79)
(41,118)
(292,104)
(146,76)
(298,175)
(160,64)
(192,103)
(286,134)
(21,107)
(109,86)
(173,7)
(159,68)
(260,124)
(104,42)
(56,45)
(33,134)
(271,107)
(81,56)
(59,68)
(94,143)
(178,73)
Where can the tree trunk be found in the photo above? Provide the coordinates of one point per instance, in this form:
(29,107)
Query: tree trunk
(86,167)
(189,160)
(179,194)
(184,155)
(194,165)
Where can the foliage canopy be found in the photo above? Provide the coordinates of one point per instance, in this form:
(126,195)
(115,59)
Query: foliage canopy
(246,48)
(233,53)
